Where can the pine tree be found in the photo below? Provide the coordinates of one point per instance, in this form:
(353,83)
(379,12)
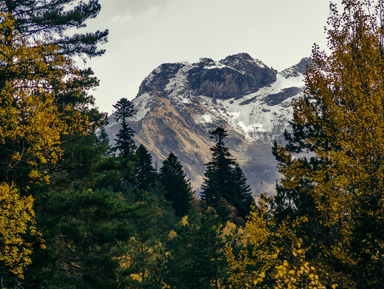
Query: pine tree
(332,162)
(196,253)
(83,215)
(177,188)
(50,22)
(141,252)
(145,174)
(33,130)
(44,98)
(82,230)
(125,143)
(242,198)
(103,140)
(224,180)
(54,18)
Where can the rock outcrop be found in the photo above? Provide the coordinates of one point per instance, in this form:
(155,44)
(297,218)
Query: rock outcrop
(179,103)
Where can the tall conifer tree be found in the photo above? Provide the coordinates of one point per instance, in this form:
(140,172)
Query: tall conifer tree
(177,188)
(224,180)
(52,113)
(54,17)
(196,253)
(125,144)
(145,174)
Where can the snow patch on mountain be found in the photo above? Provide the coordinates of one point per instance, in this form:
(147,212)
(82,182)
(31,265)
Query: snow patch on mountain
(253,115)
(179,103)
(177,84)
(206,118)
(143,105)
(260,116)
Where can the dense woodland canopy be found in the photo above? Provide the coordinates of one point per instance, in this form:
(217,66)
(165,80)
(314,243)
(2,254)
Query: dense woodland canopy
(77,212)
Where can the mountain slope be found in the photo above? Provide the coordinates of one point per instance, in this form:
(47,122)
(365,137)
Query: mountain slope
(178,103)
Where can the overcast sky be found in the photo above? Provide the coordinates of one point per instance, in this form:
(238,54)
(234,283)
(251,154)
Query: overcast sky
(147,33)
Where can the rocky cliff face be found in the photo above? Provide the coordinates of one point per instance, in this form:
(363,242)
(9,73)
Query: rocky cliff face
(232,77)
(179,103)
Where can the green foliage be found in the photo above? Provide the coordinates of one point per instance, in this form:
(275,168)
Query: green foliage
(33,128)
(54,18)
(177,188)
(103,140)
(337,181)
(196,253)
(125,143)
(144,173)
(82,218)
(84,228)
(110,222)
(225,185)
(139,259)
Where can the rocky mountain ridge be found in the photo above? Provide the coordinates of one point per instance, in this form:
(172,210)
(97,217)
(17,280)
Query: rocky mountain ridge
(179,103)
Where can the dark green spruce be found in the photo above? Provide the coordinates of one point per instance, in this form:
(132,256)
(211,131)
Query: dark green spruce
(225,188)
(125,143)
(196,254)
(144,174)
(177,187)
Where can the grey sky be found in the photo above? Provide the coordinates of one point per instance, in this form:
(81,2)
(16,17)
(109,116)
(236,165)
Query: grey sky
(146,33)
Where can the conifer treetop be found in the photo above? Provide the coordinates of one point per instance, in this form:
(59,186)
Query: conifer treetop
(37,18)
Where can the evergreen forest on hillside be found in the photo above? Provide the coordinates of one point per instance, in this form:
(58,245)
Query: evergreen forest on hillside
(79,210)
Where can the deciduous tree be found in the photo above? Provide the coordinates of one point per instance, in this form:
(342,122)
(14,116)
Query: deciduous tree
(32,126)
(270,255)
(17,218)
(332,162)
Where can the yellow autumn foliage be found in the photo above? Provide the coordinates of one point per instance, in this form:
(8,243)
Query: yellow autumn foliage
(16,219)
(31,124)
(340,122)
(272,256)
(32,128)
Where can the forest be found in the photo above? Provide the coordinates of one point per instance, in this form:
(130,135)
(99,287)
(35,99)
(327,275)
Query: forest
(79,210)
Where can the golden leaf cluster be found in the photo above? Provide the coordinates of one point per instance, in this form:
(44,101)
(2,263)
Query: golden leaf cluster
(16,219)
(32,128)
(272,256)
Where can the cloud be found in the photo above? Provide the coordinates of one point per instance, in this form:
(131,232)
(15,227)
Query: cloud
(146,33)
(114,8)
(126,17)
(129,16)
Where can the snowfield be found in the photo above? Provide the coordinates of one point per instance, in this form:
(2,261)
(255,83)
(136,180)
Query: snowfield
(260,116)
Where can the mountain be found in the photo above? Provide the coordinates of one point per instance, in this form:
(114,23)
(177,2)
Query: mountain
(179,103)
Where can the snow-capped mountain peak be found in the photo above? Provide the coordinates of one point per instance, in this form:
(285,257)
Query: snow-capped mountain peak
(178,103)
